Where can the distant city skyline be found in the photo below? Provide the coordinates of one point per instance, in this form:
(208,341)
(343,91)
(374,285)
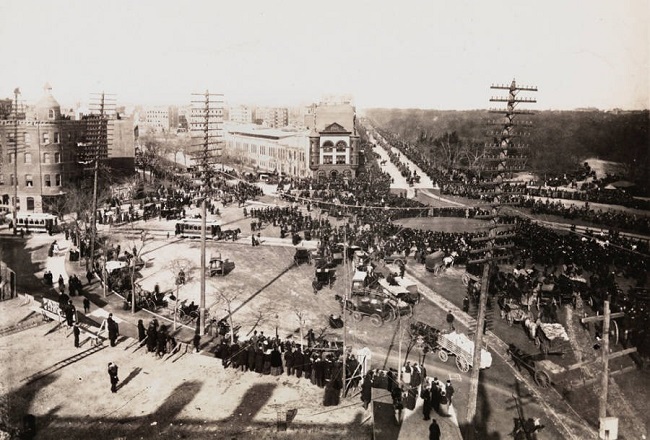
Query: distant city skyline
(428,54)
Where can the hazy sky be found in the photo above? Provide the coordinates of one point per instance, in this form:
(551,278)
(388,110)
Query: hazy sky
(428,54)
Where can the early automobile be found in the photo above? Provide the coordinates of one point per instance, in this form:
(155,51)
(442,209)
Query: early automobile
(219,266)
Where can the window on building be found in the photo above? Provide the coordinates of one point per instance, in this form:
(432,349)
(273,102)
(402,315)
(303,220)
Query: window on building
(327,160)
(46,158)
(28,157)
(11,180)
(57,137)
(340,160)
(327,147)
(46,138)
(47,181)
(29,180)
(30,203)
(341,146)
(28,138)
(57,180)
(11,157)
(57,157)
(2,179)
(51,114)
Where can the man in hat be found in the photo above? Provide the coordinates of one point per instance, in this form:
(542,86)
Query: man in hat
(112,374)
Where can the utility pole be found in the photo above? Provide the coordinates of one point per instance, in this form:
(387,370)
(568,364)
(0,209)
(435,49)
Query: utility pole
(15,182)
(206,119)
(605,357)
(97,141)
(503,162)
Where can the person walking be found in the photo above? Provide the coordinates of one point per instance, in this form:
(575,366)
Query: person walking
(86,305)
(434,430)
(76,332)
(112,374)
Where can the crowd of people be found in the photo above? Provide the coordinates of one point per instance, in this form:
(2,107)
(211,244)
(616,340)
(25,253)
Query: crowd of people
(464,183)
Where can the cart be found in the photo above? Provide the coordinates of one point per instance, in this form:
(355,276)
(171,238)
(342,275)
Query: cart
(544,372)
(462,347)
(550,338)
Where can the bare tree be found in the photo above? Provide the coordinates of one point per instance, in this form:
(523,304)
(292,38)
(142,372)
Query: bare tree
(177,266)
(228,299)
(300,314)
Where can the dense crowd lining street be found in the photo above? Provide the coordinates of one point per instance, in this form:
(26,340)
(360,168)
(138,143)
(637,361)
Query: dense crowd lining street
(302,210)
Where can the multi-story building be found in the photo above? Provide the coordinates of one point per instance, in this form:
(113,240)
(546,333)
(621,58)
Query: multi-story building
(333,141)
(39,156)
(267,149)
(241,114)
(275,117)
(156,118)
(47,154)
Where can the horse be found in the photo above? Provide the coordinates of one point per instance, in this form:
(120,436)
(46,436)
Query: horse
(230,234)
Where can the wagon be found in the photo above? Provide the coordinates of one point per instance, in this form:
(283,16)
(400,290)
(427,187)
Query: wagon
(433,262)
(550,338)
(544,371)
(462,347)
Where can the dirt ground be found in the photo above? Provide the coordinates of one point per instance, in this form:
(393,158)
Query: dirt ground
(68,391)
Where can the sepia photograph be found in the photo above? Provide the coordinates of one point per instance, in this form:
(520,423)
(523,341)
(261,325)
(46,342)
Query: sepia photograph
(354,220)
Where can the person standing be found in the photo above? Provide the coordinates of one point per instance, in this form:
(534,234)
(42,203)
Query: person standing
(449,388)
(142,332)
(86,305)
(69,313)
(288,361)
(112,373)
(466,304)
(113,329)
(434,430)
(425,394)
(89,277)
(76,332)
(450,321)
(366,390)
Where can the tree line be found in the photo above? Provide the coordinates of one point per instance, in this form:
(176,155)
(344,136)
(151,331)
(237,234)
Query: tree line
(574,136)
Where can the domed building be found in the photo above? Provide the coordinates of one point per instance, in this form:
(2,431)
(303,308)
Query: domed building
(43,159)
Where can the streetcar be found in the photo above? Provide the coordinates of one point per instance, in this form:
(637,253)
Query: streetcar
(191,228)
(37,222)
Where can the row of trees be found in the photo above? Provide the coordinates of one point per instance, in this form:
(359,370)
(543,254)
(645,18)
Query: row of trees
(573,136)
